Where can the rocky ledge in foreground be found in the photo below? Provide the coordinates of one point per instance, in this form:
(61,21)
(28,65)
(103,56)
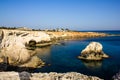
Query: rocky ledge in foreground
(45,76)
(116,76)
(93,52)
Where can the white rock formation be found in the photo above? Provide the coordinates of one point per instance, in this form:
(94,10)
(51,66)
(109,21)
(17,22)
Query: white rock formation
(13,47)
(13,44)
(93,52)
(93,46)
(26,36)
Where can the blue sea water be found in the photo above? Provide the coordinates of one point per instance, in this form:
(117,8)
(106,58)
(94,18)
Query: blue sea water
(63,58)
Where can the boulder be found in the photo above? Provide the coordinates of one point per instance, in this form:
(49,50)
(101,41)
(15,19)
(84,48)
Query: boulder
(93,52)
(24,75)
(34,62)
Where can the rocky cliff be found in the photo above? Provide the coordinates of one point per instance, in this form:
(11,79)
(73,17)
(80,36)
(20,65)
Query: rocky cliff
(13,46)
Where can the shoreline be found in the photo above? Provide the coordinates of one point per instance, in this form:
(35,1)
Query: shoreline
(51,38)
(62,35)
(28,41)
(54,37)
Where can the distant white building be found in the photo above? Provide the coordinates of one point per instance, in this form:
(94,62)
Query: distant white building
(24,29)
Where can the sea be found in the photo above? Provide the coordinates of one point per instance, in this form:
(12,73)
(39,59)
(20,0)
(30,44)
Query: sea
(64,57)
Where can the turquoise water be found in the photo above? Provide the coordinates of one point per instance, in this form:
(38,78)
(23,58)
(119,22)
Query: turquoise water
(63,58)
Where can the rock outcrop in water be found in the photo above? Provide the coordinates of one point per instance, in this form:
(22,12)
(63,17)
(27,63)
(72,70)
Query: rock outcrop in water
(93,52)
(45,76)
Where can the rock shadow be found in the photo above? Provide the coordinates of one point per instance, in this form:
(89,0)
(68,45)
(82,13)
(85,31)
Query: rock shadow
(6,67)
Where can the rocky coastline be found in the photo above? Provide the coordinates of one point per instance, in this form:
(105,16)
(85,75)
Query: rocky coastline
(24,43)
(23,53)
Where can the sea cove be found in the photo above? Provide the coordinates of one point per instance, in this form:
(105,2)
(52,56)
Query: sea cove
(59,39)
(63,58)
(25,50)
(61,55)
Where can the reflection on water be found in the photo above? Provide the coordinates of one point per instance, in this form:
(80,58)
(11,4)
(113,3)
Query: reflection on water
(34,60)
(44,53)
(92,64)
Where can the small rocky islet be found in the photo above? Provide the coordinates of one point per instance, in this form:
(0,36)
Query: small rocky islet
(93,52)
(22,55)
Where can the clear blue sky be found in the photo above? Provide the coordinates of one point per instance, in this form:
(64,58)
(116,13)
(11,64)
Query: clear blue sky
(72,14)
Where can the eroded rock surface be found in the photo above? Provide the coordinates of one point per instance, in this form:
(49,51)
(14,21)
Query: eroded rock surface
(13,46)
(93,52)
(45,76)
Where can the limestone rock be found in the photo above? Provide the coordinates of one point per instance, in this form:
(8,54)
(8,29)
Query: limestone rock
(33,63)
(9,76)
(45,76)
(13,45)
(93,52)
(14,48)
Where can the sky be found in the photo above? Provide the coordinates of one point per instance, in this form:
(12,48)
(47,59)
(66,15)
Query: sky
(51,14)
